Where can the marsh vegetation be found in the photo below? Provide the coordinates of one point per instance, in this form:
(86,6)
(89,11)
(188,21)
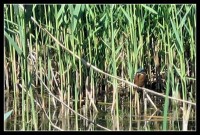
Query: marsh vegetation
(71,67)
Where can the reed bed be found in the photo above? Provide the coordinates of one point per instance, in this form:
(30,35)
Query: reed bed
(64,57)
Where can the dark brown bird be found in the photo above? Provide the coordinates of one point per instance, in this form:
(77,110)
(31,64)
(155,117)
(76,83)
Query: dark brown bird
(139,80)
(140,77)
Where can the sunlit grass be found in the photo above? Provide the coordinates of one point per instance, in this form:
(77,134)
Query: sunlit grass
(117,39)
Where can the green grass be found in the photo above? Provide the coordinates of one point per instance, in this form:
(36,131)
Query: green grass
(114,38)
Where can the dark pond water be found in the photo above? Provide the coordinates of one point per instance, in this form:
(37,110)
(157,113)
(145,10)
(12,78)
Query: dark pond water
(129,120)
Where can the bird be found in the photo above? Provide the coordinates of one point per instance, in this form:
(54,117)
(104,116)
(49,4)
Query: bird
(139,80)
(140,77)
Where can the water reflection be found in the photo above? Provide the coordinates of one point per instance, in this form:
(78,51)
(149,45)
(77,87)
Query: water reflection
(149,119)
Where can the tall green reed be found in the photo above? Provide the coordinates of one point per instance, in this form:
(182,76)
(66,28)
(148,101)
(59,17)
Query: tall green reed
(114,38)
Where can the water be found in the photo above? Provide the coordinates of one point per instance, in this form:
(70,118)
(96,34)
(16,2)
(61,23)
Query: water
(128,119)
